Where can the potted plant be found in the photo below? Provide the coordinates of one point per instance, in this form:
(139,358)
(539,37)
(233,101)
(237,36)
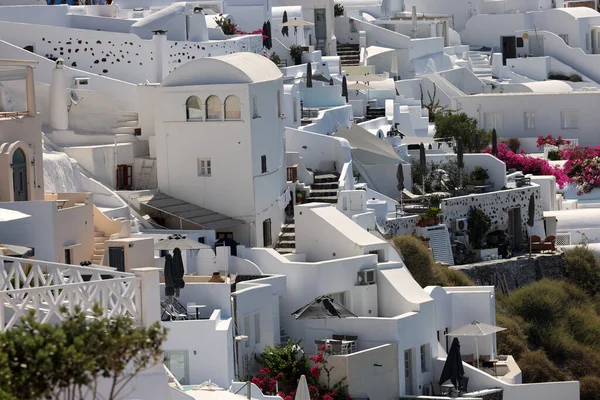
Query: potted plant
(275,58)
(296,53)
(479,175)
(479,224)
(430,217)
(299,196)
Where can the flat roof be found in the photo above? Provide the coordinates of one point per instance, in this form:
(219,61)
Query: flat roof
(190,212)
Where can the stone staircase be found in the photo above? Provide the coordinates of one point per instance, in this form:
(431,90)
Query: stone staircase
(349,54)
(324,189)
(375,112)
(286,244)
(480,62)
(99,239)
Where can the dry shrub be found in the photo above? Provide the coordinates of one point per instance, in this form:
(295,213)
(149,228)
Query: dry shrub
(537,368)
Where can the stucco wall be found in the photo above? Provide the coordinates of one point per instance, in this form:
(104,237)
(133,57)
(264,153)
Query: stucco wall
(496,205)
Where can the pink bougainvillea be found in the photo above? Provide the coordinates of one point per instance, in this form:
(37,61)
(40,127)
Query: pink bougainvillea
(559,141)
(530,165)
(583,167)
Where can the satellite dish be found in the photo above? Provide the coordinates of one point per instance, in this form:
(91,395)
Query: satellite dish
(73,97)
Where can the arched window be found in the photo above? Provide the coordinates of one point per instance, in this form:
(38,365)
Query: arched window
(193,108)
(213,108)
(232,108)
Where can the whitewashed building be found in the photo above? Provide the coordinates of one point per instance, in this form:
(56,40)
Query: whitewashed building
(220,143)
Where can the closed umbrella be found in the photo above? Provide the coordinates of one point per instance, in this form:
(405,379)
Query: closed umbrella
(477,143)
(269,36)
(453,367)
(531,218)
(302,392)
(494,143)
(460,159)
(308,75)
(423,163)
(476,329)
(178,271)
(345,88)
(285,31)
(168,271)
(400,186)
(265,33)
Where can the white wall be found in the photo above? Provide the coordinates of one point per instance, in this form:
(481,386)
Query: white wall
(547,108)
(100,160)
(209,344)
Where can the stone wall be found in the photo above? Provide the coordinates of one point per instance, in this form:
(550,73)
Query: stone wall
(401,226)
(516,272)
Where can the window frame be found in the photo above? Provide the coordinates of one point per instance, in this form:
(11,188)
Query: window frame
(525,120)
(208,116)
(239,108)
(187,109)
(204,166)
(563,120)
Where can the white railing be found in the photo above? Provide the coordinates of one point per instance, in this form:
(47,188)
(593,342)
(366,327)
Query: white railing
(47,287)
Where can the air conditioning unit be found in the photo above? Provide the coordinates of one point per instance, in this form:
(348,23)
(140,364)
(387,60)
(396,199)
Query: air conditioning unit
(460,224)
(367,276)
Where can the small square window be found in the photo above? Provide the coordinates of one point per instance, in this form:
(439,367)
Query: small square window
(204,167)
(529,120)
(569,119)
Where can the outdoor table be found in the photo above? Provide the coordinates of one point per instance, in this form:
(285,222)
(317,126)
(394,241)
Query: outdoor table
(197,307)
(447,388)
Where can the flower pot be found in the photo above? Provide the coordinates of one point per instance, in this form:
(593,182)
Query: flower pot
(485,254)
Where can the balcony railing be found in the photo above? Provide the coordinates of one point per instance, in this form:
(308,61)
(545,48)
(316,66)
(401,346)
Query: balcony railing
(292,173)
(46,287)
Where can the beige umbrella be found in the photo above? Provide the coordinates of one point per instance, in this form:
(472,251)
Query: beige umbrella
(358,86)
(366,78)
(296,23)
(476,329)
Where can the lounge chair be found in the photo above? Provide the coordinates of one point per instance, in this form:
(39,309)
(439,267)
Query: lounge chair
(536,243)
(337,347)
(549,244)
(338,337)
(319,344)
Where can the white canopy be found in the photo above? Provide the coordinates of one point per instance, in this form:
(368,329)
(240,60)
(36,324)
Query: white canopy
(297,22)
(11,215)
(374,150)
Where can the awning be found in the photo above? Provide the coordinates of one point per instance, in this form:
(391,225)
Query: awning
(368,148)
(190,212)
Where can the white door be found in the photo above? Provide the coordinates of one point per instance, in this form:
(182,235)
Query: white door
(177,362)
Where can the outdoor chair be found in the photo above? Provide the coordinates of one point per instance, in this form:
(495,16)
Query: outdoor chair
(338,337)
(468,358)
(191,311)
(462,384)
(536,243)
(337,347)
(354,339)
(549,244)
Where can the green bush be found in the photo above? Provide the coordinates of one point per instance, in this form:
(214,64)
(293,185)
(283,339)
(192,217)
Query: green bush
(513,341)
(537,368)
(583,269)
(514,144)
(451,277)
(554,155)
(479,225)
(417,258)
(589,388)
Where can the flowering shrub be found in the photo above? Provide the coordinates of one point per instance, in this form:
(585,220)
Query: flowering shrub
(231,28)
(283,366)
(559,141)
(530,165)
(583,167)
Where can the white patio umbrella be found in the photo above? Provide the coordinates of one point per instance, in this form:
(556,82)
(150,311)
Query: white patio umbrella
(360,86)
(302,390)
(295,23)
(476,329)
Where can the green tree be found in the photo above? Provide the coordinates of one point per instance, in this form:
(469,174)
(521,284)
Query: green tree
(453,125)
(583,269)
(66,360)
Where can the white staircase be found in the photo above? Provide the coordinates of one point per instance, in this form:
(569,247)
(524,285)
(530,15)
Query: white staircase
(439,242)
(99,239)
(145,174)
(480,64)
(127,121)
